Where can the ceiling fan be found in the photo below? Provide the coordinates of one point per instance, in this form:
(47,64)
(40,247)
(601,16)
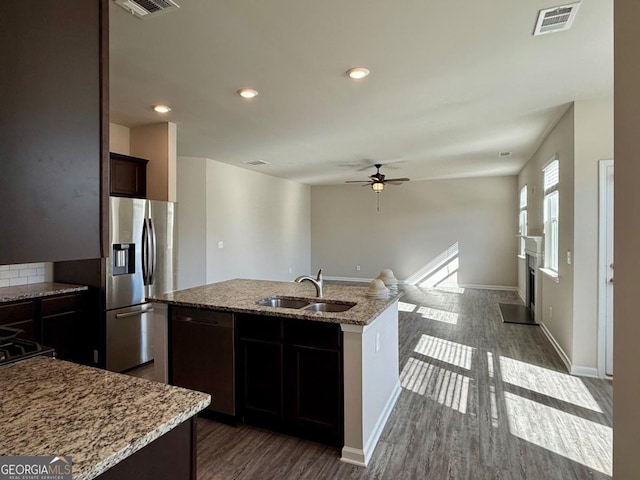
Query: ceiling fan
(378,180)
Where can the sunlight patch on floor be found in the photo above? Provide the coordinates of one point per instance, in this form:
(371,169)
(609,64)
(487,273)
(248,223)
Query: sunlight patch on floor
(438,315)
(406,307)
(573,437)
(561,386)
(443,386)
(446,351)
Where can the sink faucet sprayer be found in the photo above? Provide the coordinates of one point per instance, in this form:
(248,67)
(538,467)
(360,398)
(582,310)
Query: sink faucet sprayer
(317,282)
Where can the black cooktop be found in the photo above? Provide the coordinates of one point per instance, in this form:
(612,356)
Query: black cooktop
(13,349)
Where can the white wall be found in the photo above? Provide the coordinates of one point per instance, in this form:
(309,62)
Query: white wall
(262,221)
(582,137)
(119,138)
(593,142)
(626,387)
(557,297)
(417,222)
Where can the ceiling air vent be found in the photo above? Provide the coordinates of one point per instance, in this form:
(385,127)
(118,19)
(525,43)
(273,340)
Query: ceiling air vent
(147,8)
(504,154)
(256,162)
(556,19)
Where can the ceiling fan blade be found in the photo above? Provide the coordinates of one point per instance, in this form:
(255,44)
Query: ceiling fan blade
(393,183)
(358,181)
(398,180)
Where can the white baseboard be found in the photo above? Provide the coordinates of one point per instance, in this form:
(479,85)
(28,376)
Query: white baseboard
(584,371)
(521,295)
(556,345)
(506,288)
(355,456)
(348,279)
(577,370)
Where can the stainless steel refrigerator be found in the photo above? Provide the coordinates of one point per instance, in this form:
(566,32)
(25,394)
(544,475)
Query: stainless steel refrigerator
(141,263)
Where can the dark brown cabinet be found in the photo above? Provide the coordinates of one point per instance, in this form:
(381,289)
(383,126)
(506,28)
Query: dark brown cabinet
(53,129)
(314,379)
(261,370)
(20,315)
(128,176)
(56,322)
(62,326)
(291,376)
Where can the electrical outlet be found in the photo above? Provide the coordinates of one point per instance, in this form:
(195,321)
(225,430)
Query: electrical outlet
(220,244)
(550,312)
(357,268)
(568,258)
(377,342)
(290,270)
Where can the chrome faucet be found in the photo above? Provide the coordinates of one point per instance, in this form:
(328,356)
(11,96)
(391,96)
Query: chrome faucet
(317,282)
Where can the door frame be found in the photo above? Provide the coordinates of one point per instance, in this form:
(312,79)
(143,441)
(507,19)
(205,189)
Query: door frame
(603,165)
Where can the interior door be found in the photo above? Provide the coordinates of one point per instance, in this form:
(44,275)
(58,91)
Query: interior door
(605,357)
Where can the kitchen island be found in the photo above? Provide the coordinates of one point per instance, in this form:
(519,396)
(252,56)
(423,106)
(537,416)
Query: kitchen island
(367,348)
(112,425)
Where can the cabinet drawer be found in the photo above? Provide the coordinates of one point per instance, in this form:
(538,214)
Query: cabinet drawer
(62,304)
(17,312)
(317,334)
(260,326)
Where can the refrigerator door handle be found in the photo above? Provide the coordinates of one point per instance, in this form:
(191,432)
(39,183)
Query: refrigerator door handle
(152,242)
(133,314)
(145,253)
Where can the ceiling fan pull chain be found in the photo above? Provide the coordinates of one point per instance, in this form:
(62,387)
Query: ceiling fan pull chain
(378,200)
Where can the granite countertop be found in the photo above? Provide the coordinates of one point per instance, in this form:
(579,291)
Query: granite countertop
(241,295)
(37,290)
(53,407)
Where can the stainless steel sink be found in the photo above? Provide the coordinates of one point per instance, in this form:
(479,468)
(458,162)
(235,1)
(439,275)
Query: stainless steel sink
(283,302)
(299,303)
(329,307)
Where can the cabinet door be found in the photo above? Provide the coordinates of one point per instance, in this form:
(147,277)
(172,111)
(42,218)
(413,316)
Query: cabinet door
(20,315)
(128,176)
(53,128)
(315,401)
(261,382)
(63,325)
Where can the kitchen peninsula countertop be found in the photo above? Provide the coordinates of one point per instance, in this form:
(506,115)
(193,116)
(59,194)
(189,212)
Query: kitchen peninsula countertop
(242,295)
(99,418)
(37,290)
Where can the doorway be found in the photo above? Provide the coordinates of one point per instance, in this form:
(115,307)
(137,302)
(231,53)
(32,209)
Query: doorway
(605,276)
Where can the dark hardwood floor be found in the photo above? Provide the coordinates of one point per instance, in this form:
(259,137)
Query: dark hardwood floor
(481,399)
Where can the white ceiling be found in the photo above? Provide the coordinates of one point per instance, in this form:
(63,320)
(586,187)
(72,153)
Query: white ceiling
(452,82)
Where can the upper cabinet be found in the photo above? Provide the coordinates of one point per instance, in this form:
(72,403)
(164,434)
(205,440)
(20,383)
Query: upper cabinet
(128,176)
(53,129)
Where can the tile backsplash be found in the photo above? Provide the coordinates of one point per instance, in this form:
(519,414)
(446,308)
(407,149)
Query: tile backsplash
(25,273)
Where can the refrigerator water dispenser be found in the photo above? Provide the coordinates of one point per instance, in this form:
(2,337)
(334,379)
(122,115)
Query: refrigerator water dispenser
(124,258)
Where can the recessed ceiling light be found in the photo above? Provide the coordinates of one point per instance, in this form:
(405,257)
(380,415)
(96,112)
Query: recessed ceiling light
(162,108)
(247,93)
(358,72)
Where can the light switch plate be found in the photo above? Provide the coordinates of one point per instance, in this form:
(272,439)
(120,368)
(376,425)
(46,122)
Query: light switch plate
(220,244)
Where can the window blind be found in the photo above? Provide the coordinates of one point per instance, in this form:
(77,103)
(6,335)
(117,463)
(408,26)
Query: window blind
(551,176)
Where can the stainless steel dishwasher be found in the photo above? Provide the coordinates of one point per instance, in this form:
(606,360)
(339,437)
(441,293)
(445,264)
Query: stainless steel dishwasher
(202,355)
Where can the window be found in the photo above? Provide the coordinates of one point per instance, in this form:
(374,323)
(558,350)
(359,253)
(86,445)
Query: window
(551,209)
(522,218)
